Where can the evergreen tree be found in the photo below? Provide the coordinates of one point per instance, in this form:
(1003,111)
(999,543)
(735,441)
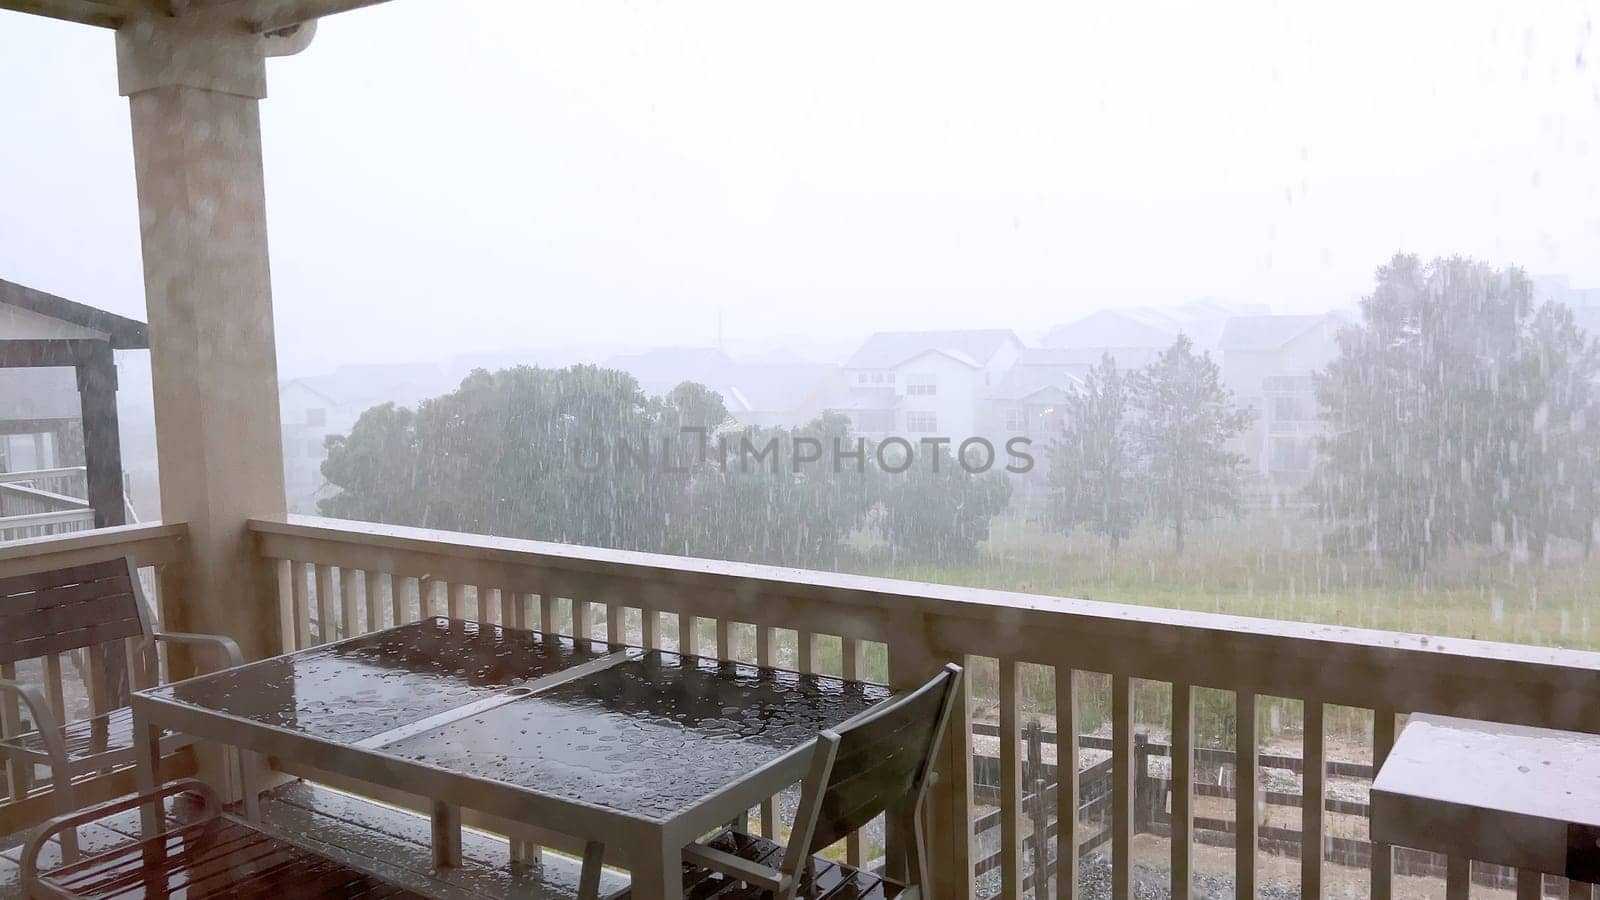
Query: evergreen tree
(1092,463)
(1183,420)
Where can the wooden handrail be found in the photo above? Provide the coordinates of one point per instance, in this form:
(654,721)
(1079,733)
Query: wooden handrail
(151,544)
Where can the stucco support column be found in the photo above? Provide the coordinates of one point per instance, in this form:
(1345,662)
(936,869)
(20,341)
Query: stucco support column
(193,90)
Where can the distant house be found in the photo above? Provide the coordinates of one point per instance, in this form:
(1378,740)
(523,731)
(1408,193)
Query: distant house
(1132,337)
(1030,400)
(314,407)
(1267,362)
(924,382)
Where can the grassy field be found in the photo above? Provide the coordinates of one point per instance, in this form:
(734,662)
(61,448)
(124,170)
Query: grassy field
(1268,565)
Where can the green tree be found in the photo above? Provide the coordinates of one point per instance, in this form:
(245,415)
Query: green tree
(936,509)
(1457,414)
(1092,462)
(1184,418)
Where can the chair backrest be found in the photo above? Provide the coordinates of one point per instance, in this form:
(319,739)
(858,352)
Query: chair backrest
(879,761)
(95,606)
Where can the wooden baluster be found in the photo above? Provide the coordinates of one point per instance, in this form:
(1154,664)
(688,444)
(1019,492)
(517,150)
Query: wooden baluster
(1576,890)
(286,618)
(1068,795)
(1313,801)
(427,598)
(349,602)
(399,595)
(650,628)
(1382,854)
(582,626)
(724,639)
(1182,792)
(854,661)
(766,656)
(1458,878)
(547,612)
(524,611)
(1246,795)
(1010,786)
(805,643)
(325,603)
(1530,885)
(509,600)
(614,623)
(688,634)
(458,600)
(372,588)
(302,605)
(487,604)
(1122,792)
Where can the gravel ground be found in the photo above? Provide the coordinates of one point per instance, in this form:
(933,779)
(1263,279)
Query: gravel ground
(1149,883)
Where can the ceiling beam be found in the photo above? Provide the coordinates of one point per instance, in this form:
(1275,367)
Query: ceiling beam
(84,12)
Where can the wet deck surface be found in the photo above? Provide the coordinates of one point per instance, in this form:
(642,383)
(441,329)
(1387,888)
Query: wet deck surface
(365,686)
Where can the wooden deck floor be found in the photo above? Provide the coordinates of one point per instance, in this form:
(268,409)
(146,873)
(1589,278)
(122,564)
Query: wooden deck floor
(387,842)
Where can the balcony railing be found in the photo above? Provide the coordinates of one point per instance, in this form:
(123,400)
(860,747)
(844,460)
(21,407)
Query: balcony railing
(998,795)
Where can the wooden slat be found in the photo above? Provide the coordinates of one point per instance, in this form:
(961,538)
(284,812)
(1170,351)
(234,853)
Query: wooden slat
(13,586)
(1579,890)
(614,622)
(724,639)
(1530,885)
(547,612)
(349,602)
(524,610)
(508,608)
(853,662)
(1313,802)
(767,655)
(1382,854)
(77,639)
(650,628)
(70,616)
(1067,791)
(805,643)
(326,615)
(399,595)
(1182,792)
(1247,795)
(688,634)
(1010,786)
(582,623)
(1457,878)
(458,601)
(428,597)
(488,604)
(286,617)
(372,586)
(1122,779)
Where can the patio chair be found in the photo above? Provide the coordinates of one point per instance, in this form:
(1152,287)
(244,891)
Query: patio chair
(880,762)
(91,609)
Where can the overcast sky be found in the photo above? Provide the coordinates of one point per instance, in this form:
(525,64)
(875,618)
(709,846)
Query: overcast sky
(458,176)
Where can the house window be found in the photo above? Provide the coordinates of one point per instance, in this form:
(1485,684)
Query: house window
(918,422)
(877,378)
(1016,420)
(1291,455)
(1289,409)
(861,378)
(316,417)
(921,384)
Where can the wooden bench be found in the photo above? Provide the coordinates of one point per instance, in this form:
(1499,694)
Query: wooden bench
(337,845)
(98,610)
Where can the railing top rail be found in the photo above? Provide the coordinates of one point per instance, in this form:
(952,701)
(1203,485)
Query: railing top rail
(31,474)
(150,544)
(992,606)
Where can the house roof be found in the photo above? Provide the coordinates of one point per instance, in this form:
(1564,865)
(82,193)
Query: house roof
(364,386)
(663,368)
(1257,333)
(1108,328)
(887,349)
(1036,371)
(122,333)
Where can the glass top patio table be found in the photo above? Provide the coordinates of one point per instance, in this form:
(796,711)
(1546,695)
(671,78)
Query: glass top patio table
(641,750)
